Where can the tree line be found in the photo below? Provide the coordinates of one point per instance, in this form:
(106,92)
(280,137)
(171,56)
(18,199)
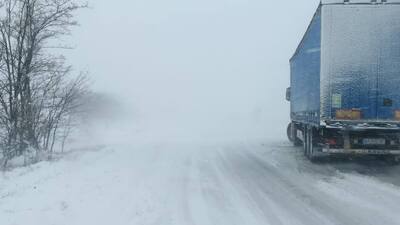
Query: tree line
(39,94)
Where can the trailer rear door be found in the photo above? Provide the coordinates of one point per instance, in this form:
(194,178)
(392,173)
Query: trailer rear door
(360,64)
(388,99)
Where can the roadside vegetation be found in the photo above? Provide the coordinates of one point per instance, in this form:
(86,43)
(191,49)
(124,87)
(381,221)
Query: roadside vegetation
(39,92)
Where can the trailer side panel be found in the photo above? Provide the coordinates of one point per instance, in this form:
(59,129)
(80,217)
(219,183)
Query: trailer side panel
(305,75)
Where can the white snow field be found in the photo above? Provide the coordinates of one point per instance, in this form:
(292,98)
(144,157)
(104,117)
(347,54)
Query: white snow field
(246,183)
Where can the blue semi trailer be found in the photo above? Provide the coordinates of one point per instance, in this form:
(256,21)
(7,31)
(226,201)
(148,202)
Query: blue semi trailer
(345,80)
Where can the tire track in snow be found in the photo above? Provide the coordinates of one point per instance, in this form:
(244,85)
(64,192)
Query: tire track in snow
(291,199)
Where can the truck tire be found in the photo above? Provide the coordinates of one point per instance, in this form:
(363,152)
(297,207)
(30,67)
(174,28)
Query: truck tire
(311,136)
(291,134)
(312,154)
(305,141)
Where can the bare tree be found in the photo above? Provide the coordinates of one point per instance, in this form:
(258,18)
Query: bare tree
(36,93)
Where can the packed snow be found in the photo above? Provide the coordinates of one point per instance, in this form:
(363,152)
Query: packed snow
(185,183)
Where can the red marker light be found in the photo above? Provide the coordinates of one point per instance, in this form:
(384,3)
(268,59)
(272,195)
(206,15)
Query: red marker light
(331,142)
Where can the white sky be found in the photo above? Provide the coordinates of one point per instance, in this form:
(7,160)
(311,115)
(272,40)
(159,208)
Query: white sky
(205,67)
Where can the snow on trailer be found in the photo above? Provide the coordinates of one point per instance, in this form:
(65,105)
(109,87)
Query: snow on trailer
(345,76)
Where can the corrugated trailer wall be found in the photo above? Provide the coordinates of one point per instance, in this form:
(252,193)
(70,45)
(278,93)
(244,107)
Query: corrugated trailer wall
(305,75)
(360,60)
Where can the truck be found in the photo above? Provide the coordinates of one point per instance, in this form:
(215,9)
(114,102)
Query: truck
(345,81)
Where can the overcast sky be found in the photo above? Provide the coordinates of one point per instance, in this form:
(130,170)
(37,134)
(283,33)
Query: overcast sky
(204,67)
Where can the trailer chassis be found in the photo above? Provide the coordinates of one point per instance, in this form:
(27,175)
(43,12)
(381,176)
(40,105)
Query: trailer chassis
(346,138)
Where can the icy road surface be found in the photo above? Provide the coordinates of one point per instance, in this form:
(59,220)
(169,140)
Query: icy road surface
(190,184)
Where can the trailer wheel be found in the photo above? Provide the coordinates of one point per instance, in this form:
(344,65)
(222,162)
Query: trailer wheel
(311,153)
(291,134)
(305,141)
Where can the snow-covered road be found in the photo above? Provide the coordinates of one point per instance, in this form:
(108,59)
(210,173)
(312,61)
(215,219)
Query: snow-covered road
(250,183)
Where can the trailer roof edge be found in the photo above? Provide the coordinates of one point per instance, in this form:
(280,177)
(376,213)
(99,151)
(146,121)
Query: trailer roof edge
(336,3)
(305,34)
(360,2)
